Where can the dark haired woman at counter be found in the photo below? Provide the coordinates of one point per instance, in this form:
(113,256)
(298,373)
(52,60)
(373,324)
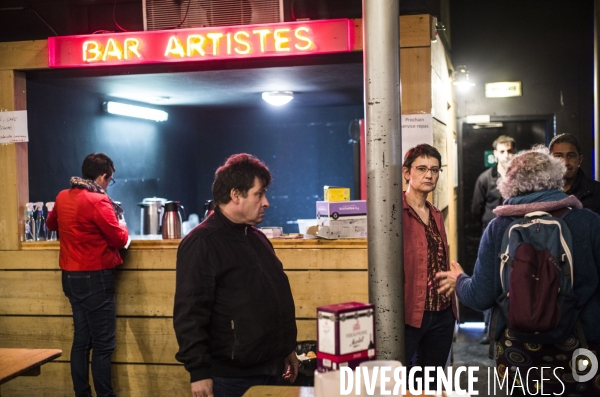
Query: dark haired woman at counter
(90,238)
(429,315)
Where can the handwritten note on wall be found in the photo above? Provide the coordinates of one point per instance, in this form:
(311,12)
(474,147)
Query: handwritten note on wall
(13,127)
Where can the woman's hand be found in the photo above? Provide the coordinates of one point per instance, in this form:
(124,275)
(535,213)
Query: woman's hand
(447,280)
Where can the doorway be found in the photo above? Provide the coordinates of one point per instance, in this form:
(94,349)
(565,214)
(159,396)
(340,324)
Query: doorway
(475,144)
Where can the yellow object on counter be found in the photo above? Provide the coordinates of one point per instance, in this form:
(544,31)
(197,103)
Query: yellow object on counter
(335,193)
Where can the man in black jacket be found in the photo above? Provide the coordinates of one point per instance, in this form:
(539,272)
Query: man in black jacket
(567,148)
(234,314)
(486,197)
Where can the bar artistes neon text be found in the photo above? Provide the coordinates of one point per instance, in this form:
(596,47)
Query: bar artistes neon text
(199,44)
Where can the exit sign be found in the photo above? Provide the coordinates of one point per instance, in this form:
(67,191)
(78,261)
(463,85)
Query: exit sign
(503,89)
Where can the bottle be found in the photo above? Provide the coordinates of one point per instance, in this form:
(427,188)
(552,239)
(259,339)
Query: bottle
(50,234)
(29,223)
(40,222)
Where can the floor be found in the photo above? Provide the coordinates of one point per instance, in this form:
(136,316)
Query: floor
(467,351)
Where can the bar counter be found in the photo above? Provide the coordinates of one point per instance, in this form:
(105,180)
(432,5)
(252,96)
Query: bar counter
(35,313)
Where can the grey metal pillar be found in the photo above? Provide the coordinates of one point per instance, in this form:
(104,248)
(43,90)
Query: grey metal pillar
(381,49)
(596,161)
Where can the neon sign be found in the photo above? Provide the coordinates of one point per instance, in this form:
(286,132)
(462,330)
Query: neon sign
(201,44)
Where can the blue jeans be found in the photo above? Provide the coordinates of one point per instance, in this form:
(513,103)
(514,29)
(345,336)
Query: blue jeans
(430,344)
(92,297)
(236,387)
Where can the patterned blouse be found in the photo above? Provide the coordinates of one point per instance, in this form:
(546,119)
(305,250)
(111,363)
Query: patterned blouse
(436,261)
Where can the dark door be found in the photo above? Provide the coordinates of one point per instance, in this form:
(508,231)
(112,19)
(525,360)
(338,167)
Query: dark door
(474,140)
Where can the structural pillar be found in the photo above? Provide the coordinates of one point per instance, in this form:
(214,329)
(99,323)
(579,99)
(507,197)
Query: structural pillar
(381,51)
(14,184)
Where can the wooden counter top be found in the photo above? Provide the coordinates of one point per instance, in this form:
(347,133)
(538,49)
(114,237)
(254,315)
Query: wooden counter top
(278,243)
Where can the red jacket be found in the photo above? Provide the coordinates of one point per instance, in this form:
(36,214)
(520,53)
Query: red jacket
(90,234)
(415,262)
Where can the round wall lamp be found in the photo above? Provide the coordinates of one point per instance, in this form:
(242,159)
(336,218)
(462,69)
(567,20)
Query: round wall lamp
(277,98)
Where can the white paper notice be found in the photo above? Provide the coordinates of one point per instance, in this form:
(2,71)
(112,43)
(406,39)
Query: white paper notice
(13,127)
(416,129)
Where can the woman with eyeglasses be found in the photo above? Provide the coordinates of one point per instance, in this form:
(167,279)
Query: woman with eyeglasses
(91,235)
(429,315)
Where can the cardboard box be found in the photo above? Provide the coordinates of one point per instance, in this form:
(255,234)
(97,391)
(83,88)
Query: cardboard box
(272,231)
(335,193)
(345,335)
(341,209)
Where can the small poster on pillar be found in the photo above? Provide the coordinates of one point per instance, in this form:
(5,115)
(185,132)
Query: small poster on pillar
(416,129)
(13,127)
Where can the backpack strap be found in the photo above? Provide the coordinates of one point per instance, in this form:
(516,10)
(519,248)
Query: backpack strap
(492,331)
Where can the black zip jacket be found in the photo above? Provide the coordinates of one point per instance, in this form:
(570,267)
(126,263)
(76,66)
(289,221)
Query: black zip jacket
(234,312)
(587,191)
(486,196)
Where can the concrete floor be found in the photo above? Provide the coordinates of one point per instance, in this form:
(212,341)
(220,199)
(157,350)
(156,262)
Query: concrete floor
(467,351)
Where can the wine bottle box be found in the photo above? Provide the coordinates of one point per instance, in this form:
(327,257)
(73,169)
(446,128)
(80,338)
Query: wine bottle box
(345,335)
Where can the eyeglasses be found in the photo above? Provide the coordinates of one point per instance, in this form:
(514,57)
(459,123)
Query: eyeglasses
(421,169)
(112,182)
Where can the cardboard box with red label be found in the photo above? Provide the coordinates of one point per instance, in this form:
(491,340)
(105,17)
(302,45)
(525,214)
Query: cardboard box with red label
(345,335)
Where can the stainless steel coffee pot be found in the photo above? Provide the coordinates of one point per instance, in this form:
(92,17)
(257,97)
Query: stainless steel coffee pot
(171,220)
(151,214)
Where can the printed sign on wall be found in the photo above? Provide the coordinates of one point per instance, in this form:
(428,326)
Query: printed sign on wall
(416,129)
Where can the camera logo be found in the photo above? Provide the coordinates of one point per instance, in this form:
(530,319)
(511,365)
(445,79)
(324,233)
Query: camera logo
(584,362)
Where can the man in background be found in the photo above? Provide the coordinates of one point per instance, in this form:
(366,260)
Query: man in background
(234,314)
(91,234)
(486,197)
(567,148)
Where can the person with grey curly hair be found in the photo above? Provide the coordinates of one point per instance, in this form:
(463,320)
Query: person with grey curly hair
(533,182)
(530,172)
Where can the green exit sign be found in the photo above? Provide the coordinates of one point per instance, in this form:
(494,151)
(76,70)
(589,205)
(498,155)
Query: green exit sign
(488,158)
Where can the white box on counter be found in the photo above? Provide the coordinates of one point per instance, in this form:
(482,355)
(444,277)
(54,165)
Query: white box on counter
(342,228)
(345,335)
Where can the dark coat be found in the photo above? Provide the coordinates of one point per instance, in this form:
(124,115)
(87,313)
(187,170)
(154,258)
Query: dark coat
(234,313)
(481,290)
(486,196)
(587,191)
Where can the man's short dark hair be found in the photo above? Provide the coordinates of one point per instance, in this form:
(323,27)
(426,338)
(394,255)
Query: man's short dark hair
(566,138)
(238,172)
(97,164)
(504,140)
(421,150)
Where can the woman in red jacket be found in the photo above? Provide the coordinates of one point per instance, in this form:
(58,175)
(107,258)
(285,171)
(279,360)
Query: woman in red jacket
(429,316)
(91,235)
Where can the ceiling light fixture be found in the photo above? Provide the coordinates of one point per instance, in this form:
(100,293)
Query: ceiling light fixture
(461,77)
(277,98)
(140,112)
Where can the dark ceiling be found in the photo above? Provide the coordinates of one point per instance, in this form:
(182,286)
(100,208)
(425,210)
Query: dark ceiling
(326,81)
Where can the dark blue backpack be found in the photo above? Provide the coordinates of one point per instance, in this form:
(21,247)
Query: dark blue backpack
(536,273)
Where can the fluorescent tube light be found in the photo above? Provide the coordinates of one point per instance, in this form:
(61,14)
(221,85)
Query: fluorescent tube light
(277,98)
(140,112)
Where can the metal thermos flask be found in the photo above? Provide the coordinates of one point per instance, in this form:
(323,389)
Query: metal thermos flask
(151,214)
(171,220)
